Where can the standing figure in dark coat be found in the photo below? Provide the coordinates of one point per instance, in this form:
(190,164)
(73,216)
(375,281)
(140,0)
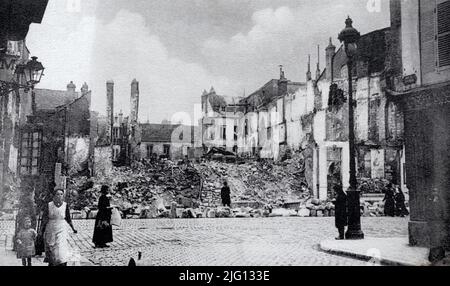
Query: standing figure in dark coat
(340,210)
(389,202)
(103,228)
(225,194)
(400,207)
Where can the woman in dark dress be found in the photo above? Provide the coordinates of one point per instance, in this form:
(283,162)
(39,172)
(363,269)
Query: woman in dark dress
(225,195)
(103,228)
(389,202)
(340,211)
(400,207)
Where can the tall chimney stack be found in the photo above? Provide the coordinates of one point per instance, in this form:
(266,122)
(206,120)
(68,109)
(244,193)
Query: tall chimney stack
(110,109)
(330,51)
(318,63)
(308,73)
(134,102)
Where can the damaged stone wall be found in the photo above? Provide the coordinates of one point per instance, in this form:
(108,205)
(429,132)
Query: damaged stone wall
(102,160)
(78,154)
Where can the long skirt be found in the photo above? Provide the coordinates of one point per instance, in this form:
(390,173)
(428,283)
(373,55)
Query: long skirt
(57,248)
(389,207)
(226,200)
(102,232)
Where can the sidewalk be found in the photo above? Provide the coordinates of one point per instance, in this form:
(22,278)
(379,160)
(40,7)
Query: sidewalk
(384,251)
(9,258)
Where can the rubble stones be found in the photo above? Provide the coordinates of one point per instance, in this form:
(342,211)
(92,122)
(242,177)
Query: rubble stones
(164,189)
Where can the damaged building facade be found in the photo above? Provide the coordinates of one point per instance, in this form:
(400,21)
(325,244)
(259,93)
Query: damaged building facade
(312,117)
(121,140)
(219,121)
(116,135)
(60,133)
(16,104)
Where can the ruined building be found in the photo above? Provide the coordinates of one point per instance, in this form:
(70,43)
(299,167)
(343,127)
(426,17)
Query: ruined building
(115,139)
(312,117)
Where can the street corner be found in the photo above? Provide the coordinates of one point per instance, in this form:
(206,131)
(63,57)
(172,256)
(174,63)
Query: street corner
(394,251)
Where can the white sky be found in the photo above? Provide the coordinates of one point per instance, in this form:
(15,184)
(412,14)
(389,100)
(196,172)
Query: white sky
(178,48)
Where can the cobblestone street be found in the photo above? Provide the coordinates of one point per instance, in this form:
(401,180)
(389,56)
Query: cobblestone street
(231,242)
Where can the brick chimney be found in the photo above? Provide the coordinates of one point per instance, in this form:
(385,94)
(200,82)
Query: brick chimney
(282,83)
(71,87)
(330,51)
(84,89)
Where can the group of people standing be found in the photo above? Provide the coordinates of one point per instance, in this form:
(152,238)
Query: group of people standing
(53,231)
(394,202)
(394,206)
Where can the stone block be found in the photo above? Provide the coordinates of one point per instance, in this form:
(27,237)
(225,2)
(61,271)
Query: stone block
(304,212)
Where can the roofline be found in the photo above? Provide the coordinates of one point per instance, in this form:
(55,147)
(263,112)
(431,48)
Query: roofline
(74,101)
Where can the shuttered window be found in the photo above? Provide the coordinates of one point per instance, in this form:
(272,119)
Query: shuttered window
(443,33)
(30,153)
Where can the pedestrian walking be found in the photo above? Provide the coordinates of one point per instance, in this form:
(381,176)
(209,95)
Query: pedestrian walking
(56,216)
(340,210)
(436,226)
(26,242)
(225,194)
(389,201)
(103,229)
(400,207)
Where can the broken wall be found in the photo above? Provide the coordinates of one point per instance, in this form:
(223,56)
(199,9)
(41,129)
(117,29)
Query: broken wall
(102,160)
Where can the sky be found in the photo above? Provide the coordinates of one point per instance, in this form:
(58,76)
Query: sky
(178,48)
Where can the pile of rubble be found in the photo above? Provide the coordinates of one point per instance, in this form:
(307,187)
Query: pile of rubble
(263,182)
(162,188)
(146,185)
(151,188)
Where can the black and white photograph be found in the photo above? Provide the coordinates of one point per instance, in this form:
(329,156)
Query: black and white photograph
(230,133)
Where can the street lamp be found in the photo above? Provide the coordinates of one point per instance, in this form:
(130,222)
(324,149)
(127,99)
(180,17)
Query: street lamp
(350,37)
(27,76)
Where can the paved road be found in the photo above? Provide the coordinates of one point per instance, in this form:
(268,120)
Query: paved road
(232,241)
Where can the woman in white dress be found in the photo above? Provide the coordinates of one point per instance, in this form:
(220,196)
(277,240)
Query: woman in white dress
(54,222)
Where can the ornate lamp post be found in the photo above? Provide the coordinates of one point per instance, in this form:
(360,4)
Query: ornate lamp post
(27,76)
(350,37)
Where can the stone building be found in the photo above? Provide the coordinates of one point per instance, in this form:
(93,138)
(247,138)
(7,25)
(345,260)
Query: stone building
(422,90)
(263,126)
(172,141)
(219,121)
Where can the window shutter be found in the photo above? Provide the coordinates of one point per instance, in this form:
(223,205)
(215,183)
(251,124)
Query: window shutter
(443,31)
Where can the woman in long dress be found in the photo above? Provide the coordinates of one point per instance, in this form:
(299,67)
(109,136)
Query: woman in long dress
(103,228)
(341,214)
(389,202)
(54,223)
(400,207)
